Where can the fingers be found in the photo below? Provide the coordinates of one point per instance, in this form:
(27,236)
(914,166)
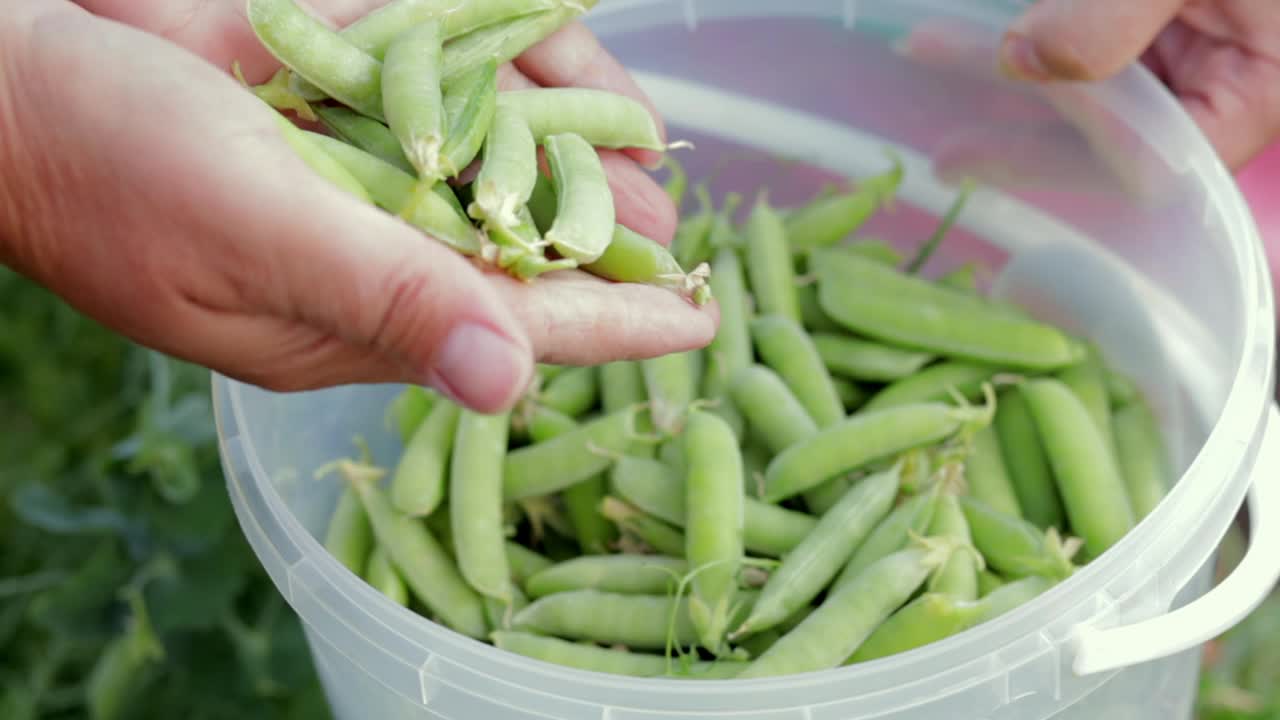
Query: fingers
(640,203)
(218,30)
(1232,92)
(573,57)
(575,319)
(177,215)
(1080,40)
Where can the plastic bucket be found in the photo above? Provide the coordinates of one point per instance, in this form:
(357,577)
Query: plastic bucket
(1126,226)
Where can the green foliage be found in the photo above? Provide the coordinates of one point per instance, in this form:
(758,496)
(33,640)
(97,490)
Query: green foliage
(123,574)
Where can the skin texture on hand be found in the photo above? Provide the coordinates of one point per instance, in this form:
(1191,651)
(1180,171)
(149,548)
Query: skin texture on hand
(144,185)
(1220,57)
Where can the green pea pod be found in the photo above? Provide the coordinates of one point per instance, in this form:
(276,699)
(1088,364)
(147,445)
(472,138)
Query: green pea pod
(321,161)
(859,359)
(892,534)
(364,133)
(671,383)
(934,616)
(1015,548)
(374,32)
(772,409)
(651,531)
(754,460)
(524,563)
(730,350)
(622,386)
(769,267)
(608,660)
(412,99)
(989,582)
(636,621)
(876,249)
(958,576)
(426,568)
(430,208)
(634,258)
(885,304)
(505,41)
(986,474)
(1007,598)
(1144,457)
(847,617)
(655,488)
(815,562)
(475,503)
(784,346)
(927,619)
(1088,380)
(812,316)
(572,392)
(582,502)
(547,467)
(318,54)
(601,118)
(1120,388)
(1091,484)
(963,279)
(935,383)
(418,482)
(585,221)
(591,529)
(509,171)
(852,395)
(1026,461)
(677,183)
(349,536)
(862,439)
(713,525)
(692,242)
(623,574)
(382,575)
(409,409)
(831,218)
(469,107)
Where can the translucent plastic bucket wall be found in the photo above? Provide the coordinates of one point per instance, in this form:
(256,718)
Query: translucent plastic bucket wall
(1128,230)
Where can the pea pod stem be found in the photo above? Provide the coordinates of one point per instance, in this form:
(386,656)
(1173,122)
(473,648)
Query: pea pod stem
(931,245)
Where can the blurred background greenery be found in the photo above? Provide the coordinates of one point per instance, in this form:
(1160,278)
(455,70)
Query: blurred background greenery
(127,589)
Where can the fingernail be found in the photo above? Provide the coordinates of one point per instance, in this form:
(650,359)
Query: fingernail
(1019,59)
(481,369)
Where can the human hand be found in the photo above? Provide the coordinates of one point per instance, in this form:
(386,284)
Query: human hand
(145,186)
(1027,117)
(1220,57)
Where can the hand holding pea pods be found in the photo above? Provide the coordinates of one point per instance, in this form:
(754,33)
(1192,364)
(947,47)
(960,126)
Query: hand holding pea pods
(363,291)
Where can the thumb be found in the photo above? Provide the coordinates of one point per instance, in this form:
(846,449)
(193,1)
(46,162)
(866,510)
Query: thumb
(1082,40)
(370,280)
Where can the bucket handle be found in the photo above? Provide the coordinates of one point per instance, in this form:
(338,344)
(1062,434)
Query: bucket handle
(1100,650)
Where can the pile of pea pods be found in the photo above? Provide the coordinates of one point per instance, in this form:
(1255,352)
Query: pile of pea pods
(408,99)
(864,461)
